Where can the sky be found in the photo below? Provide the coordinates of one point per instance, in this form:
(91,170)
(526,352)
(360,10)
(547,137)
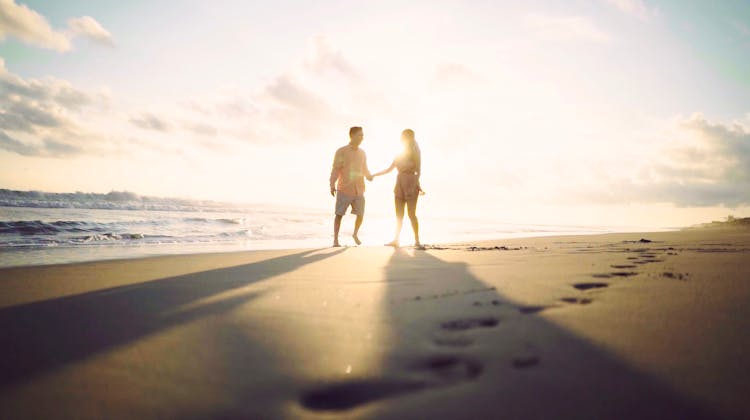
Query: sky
(587,112)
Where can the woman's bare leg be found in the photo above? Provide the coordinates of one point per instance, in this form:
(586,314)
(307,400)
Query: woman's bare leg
(399,220)
(412,207)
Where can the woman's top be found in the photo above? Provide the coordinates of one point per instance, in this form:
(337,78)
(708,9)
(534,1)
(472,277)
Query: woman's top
(407,181)
(409,162)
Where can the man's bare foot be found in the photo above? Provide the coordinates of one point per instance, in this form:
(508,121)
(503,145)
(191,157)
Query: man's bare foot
(419,246)
(336,244)
(393,243)
(356,239)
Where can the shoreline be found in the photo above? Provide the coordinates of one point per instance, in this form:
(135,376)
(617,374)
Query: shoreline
(18,275)
(191,248)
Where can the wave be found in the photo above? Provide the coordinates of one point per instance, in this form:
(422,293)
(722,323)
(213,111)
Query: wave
(235,221)
(37,227)
(95,239)
(110,237)
(17,234)
(114,200)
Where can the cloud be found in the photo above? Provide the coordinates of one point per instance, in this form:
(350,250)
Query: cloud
(323,59)
(291,108)
(44,90)
(287,109)
(709,164)
(13,145)
(149,121)
(200,128)
(47,148)
(636,8)
(701,164)
(50,117)
(31,105)
(30,27)
(238,106)
(306,102)
(565,29)
(88,27)
(289,94)
(21,22)
(24,115)
(38,117)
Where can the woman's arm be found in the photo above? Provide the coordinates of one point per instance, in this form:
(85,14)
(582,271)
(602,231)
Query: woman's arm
(385,171)
(418,162)
(418,168)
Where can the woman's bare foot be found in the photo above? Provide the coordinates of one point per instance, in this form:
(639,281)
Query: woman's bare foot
(336,244)
(356,239)
(393,243)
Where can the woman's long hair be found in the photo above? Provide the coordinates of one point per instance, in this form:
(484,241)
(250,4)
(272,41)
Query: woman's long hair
(411,149)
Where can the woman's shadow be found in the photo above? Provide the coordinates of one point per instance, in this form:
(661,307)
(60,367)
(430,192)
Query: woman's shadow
(459,349)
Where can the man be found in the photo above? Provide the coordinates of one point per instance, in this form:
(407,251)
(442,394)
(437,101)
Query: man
(348,184)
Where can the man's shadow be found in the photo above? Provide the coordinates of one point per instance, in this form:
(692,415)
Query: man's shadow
(500,359)
(40,337)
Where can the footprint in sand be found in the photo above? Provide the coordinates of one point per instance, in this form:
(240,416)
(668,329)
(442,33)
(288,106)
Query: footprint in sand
(676,276)
(469,323)
(576,301)
(648,261)
(532,309)
(614,274)
(623,273)
(347,395)
(525,362)
(441,370)
(622,266)
(449,368)
(588,286)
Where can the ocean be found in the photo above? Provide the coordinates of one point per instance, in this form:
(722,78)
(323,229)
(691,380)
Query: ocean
(39,228)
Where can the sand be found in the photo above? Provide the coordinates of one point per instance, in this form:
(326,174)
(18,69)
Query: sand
(600,327)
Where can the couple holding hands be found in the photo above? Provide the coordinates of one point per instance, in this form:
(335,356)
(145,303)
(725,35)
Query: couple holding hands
(348,183)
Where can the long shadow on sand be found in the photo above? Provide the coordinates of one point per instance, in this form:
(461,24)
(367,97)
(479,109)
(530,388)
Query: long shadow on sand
(461,350)
(43,336)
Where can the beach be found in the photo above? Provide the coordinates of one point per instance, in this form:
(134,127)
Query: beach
(631,326)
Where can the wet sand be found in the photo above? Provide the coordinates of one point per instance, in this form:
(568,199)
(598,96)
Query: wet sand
(605,326)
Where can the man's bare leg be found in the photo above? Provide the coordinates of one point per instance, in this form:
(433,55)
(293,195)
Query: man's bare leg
(336,227)
(357,224)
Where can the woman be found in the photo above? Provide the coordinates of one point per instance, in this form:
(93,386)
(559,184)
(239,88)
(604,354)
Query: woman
(407,191)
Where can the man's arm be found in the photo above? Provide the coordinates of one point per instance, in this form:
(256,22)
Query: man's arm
(368,175)
(335,171)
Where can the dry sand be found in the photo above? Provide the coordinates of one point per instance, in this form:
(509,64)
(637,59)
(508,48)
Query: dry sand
(598,327)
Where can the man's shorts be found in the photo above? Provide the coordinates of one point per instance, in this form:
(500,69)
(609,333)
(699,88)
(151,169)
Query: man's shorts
(343,201)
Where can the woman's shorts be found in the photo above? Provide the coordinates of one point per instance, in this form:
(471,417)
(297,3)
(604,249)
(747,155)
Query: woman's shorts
(407,186)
